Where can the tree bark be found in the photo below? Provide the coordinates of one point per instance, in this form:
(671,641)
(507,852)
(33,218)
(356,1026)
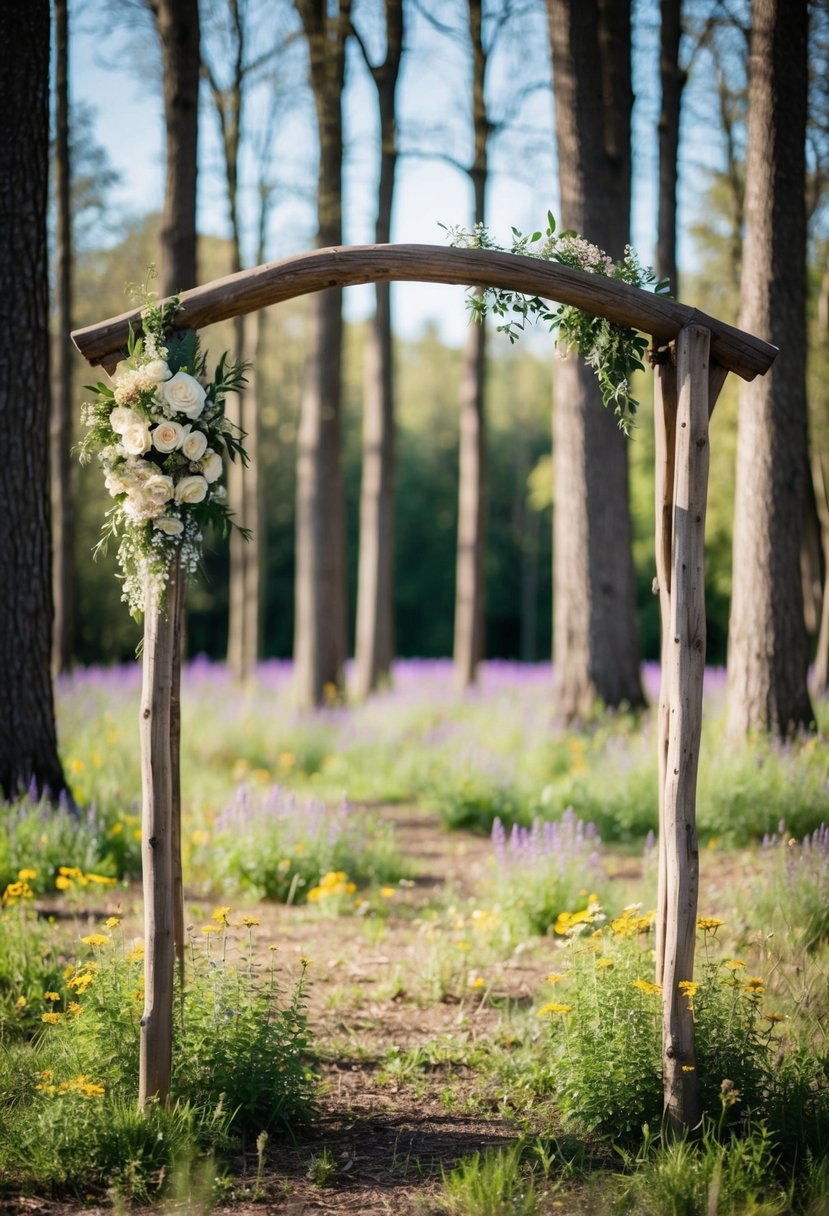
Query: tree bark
(63,582)
(672,79)
(320,632)
(768,645)
(28,739)
(177,25)
(375,645)
(595,643)
(470,620)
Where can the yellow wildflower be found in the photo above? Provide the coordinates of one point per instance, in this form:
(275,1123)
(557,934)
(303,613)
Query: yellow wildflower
(755,986)
(553,1007)
(51,996)
(95,939)
(734,964)
(553,977)
(604,962)
(69,872)
(112,922)
(250,921)
(688,988)
(647,987)
(709,924)
(208,929)
(136,954)
(221,916)
(81,982)
(63,883)
(75,1009)
(476,981)
(21,1002)
(51,1018)
(102,880)
(26,875)
(388,892)
(773,1018)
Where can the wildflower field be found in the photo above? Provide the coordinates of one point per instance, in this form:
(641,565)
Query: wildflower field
(419,965)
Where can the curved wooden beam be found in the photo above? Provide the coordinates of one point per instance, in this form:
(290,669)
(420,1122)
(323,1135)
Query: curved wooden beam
(345,266)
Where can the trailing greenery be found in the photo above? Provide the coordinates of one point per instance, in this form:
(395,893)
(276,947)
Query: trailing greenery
(614,352)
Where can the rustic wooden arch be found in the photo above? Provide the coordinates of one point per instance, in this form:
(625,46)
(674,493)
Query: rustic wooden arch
(692,356)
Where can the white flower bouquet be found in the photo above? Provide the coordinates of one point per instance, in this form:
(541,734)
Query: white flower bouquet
(160,435)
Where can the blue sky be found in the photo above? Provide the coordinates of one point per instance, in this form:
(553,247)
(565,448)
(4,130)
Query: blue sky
(128,123)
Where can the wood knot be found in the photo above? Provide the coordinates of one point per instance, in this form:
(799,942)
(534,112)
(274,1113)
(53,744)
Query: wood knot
(145,714)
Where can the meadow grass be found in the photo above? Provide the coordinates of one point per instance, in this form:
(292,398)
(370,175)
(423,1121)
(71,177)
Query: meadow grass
(275,806)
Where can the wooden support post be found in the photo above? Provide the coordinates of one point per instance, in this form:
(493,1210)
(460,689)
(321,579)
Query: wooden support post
(155,1065)
(685,677)
(664,421)
(175,776)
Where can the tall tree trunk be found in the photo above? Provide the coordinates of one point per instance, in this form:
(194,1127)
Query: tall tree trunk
(63,583)
(320,633)
(246,556)
(28,738)
(375,583)
(177,24)
(768,646)
(469,579)
(820,482)
(595,643)
(672,80)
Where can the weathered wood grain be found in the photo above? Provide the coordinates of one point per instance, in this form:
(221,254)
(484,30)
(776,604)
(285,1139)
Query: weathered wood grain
(346,266)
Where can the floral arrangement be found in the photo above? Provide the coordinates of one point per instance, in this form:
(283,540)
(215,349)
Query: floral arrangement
(613,351)
(160,435)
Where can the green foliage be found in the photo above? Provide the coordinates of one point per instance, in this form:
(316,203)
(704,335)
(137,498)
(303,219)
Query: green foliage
(695,1178)
(265,843)
(30,964)
(242,1043)
(614,352)
(69,1117)
(792,894)
(541,871)
(473,800)
(491,1183)
(605,1028)
(41,839)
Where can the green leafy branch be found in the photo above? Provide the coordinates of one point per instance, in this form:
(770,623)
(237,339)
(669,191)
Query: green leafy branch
(613,351)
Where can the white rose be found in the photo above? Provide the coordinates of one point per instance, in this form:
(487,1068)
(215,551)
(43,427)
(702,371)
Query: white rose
(194,445)
(159,488)
(191,489)
(115,483)
(136,439)
(123,417)
(211,465)
(168,436)
(172,527)
(156,370)
(185,394)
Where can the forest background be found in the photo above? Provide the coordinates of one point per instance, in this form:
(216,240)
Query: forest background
(117,170)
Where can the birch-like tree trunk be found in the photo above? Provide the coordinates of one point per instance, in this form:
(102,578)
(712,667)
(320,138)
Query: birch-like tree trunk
(375,577)
(768,646)
(595,642)
(320,630)
(28,739)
